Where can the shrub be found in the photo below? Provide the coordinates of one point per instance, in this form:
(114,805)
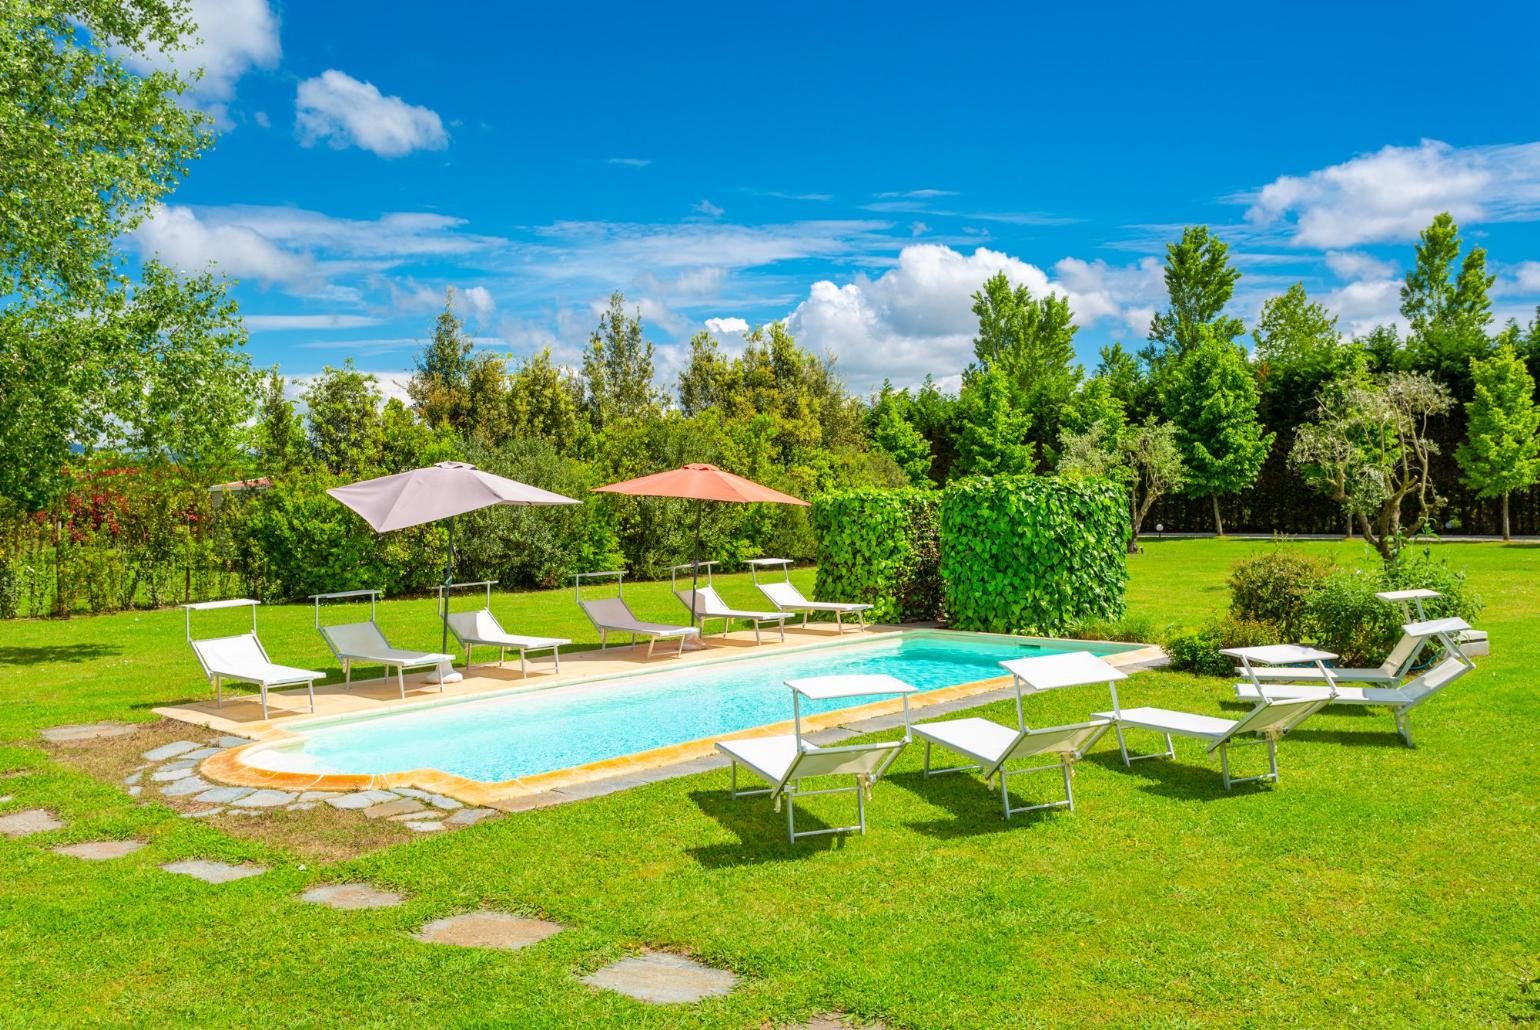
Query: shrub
(880,547)
(1343,616)
(11,587)
(1198,650)
(1132,629)
(1273,587)
(1033,554)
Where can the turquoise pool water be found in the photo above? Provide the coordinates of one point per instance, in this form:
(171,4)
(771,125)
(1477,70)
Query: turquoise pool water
(537,731)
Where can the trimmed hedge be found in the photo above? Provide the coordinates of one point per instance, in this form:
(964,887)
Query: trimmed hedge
(1033,554)
(880,547)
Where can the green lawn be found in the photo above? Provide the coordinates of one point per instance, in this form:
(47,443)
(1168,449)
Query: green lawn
(1376,885)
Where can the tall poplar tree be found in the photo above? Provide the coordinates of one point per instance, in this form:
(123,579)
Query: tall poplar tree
(1502,452)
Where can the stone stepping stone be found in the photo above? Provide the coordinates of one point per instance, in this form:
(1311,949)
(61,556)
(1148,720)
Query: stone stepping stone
(351,896)
(400,806)
(303,806)
(187,785)
(86,731)
(423,825)
(222,795)
(203,813)
(487,929)
(134,792)
(171,750)
(469,816)
(100,850)
(317,795)
(663,979)
(214,872)
(202,753)
(134,777)
(28,822)
(361,799)
(224,742)
(264,799)
(168,774)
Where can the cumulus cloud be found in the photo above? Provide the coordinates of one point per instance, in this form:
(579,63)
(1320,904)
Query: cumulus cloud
(186,243)
(917,317)
(709,209)
(1393,193)
(476,301)
(280,323)
(1527,277)
(338,109)
(233,36)
(726,326)
(1353,264)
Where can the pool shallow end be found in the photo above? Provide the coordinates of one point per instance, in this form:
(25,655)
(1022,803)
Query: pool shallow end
(241,766)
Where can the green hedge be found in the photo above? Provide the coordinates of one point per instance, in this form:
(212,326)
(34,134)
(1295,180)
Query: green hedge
(881,547)
(1032,554)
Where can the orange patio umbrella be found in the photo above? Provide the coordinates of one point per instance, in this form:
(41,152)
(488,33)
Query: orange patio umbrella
(700,483)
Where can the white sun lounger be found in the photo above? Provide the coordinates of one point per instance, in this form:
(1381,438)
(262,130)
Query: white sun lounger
(243,659)
(1396,666)
(1473,642)
(1400,699)
(786,597)
(708,604)
(481,629)
(785,760)
(1268,721)
(988,745)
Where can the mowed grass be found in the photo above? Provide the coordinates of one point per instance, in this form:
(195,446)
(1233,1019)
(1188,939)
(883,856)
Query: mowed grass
(1376,885)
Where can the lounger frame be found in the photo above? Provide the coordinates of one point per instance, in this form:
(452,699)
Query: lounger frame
(218,678)
(469,641)
(683,633)
(348,659)
(691,597)
(839,609)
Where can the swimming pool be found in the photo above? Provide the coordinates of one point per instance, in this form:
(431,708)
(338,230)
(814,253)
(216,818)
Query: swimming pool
(541,730)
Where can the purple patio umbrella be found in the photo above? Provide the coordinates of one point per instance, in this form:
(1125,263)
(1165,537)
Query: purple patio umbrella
(439,491)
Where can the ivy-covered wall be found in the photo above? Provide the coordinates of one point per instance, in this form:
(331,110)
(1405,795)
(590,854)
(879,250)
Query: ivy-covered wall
(880,547)
(1033,554)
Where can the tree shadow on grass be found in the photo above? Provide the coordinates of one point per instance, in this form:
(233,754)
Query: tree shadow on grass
(974,805)
(761,831)
(19,655)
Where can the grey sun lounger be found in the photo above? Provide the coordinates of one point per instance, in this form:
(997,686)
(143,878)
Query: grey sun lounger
(481,629)
(613,615)
(786,597)
(362,643)
(708,604)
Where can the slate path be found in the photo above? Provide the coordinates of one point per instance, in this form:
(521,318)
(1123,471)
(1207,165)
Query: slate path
(488,929)
(663,979)
(351,896)
(28,822)
(213,872)
(86,731)
(100,850)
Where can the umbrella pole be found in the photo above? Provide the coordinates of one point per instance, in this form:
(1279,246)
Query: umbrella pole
(695,565)
(449,565)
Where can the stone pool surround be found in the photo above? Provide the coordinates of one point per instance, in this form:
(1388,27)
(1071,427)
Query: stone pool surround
(523,792)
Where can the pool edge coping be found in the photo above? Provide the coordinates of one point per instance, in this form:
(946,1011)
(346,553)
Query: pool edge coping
(229,766)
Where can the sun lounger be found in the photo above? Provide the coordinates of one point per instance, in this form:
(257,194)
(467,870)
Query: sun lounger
(1396,666)
(1401,698)
(988,745)
(785,760)
(481,629)
(708,604)
(1473,642)
(787,598)
(243,659)
(1268,722)
(613,615)
(362,643)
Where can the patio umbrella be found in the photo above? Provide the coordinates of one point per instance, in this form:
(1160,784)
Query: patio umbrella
(700,483)
(439,491)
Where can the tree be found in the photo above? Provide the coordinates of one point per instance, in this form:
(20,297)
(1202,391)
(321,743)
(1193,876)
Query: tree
(703,383)
(1030,340)
(86,146)
(1368,450)
(618,366)
(1298,350)
(1199,283)
(1502,453)
(991,431)
(343,418)
(279,433)
(1211,396)
(543,403)
(893,433)
(440,386)
(1144,457)
(1448,313)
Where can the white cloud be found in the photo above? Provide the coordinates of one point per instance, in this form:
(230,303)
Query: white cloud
(726,326)
(180,239)
(1354,264)
(337,108)
(476,301)
(282,323)
(1527,277)
(1360,306)
(916,194)
(630,162)
(709,209)
(917,318)
(1393,193)
(233,36)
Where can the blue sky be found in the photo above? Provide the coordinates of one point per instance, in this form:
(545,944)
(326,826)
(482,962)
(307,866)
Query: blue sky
(857,169)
